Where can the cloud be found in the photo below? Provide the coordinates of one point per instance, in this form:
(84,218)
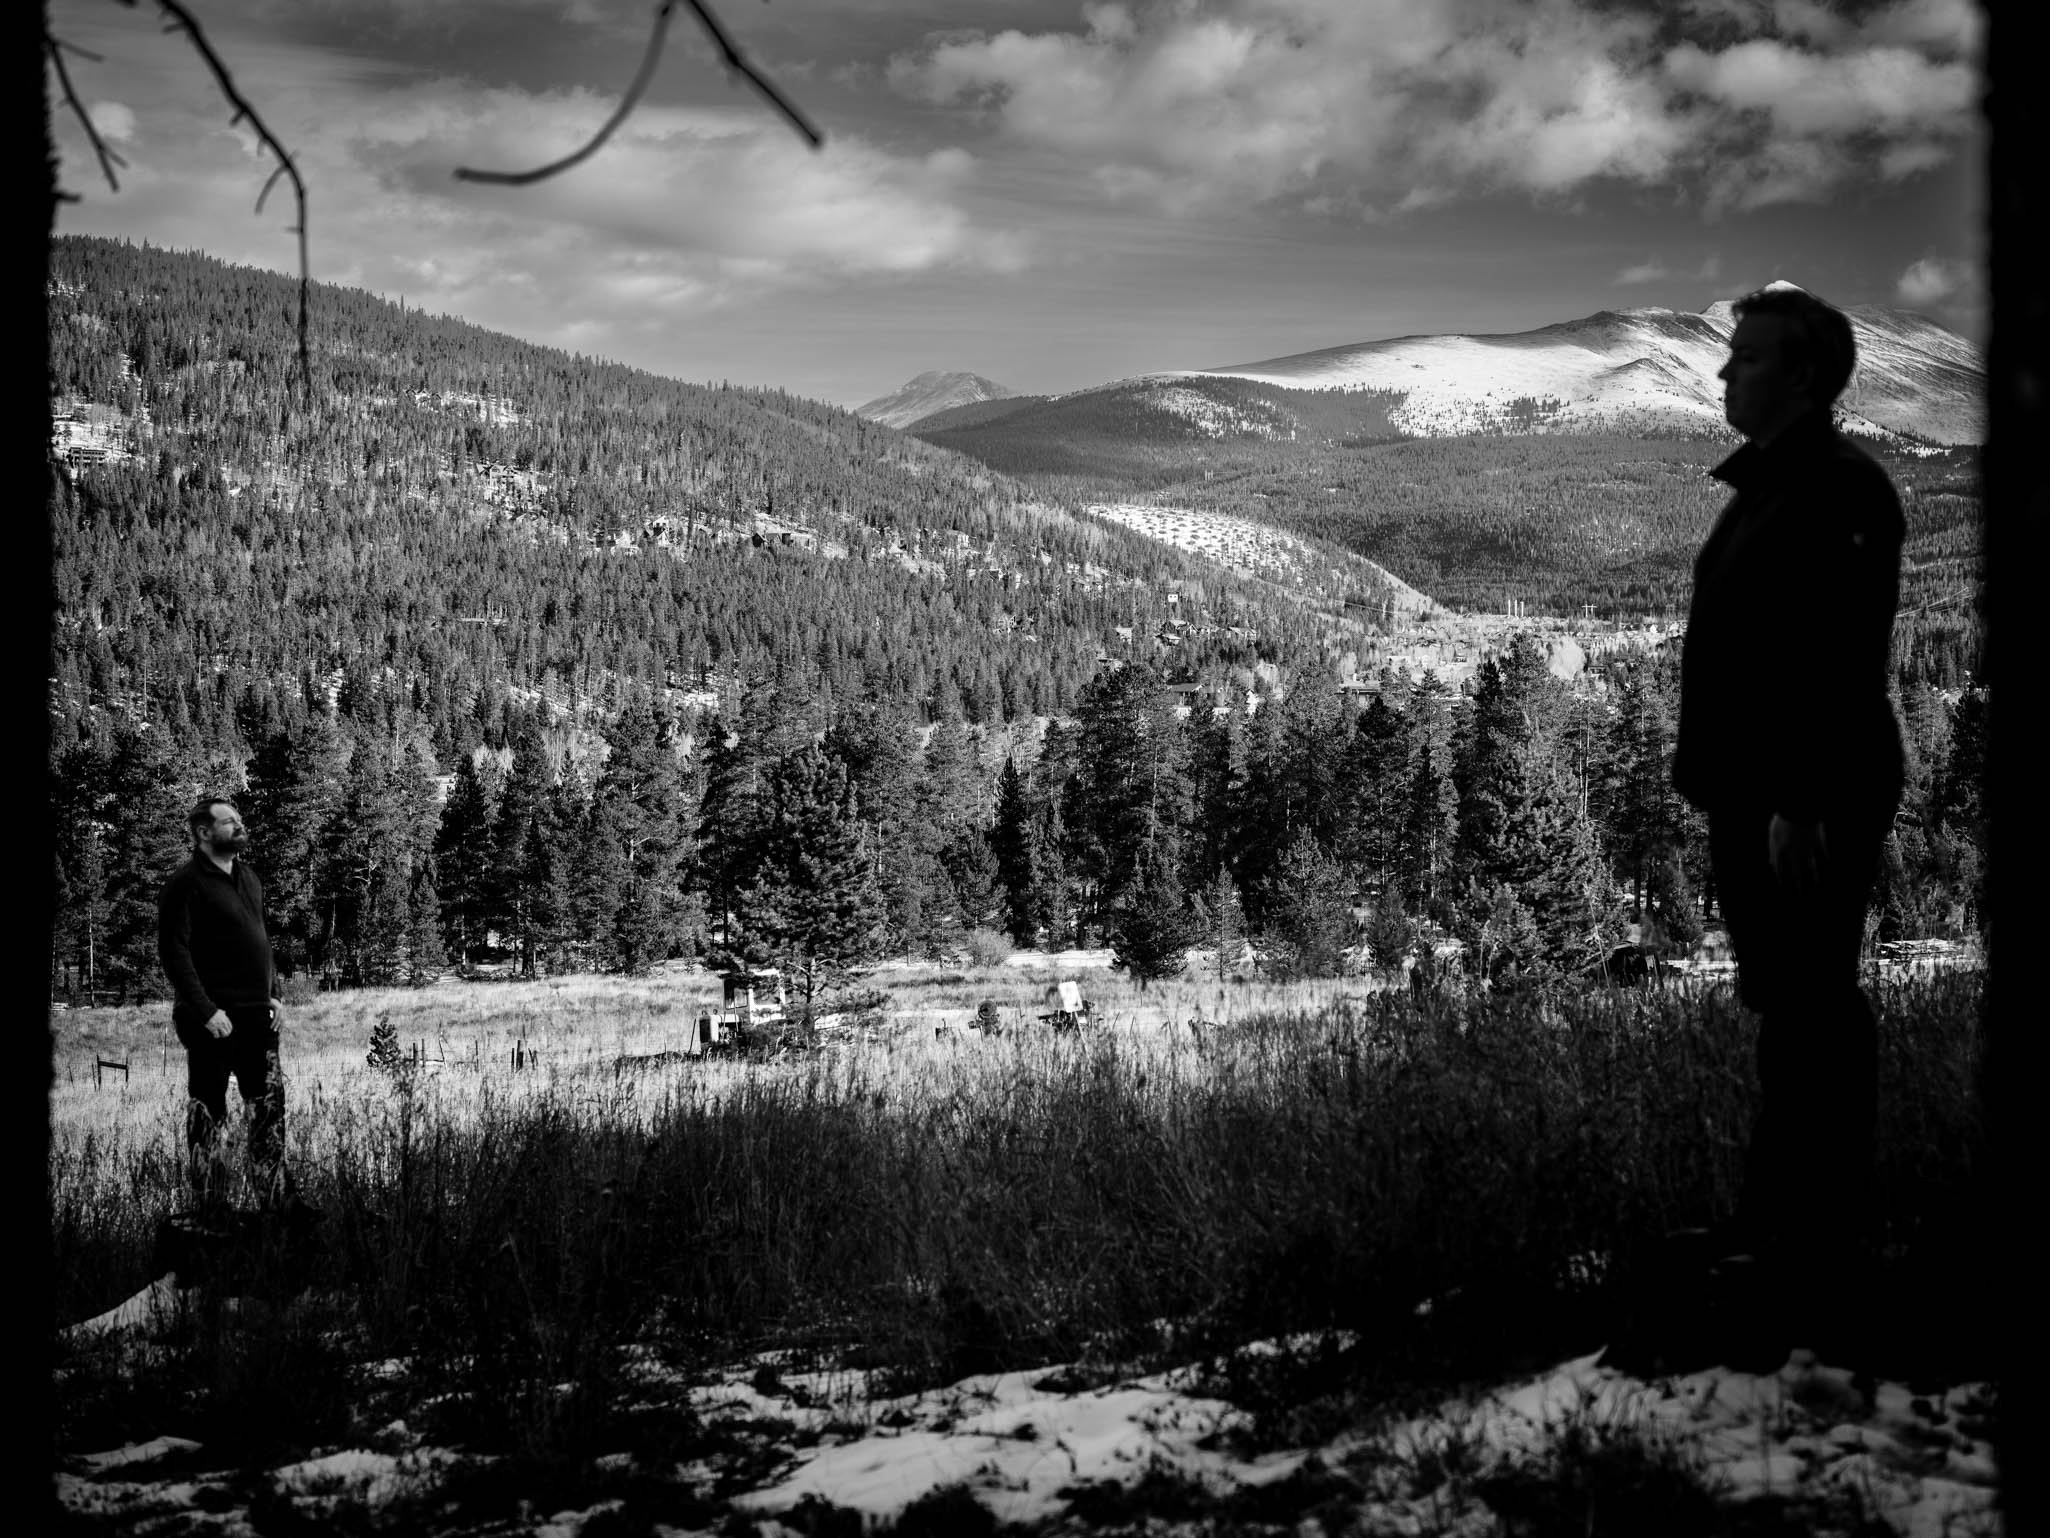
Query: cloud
(731,192)
(1812,95)
(1933,281)
(1656,271)
(1643,272)
(113,121)
(685,210)
(1191,103)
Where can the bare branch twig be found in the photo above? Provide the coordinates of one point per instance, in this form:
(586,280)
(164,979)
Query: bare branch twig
(735,61)
(182,20)
(650,57)
(108,158)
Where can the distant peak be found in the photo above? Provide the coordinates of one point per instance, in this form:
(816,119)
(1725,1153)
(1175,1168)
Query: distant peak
(933,391)
(1781,285)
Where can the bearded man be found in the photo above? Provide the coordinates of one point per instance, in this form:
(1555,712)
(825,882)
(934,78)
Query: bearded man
(216,952)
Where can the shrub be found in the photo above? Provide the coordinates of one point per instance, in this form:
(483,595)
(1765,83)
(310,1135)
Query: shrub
(386,1054)
(985,948)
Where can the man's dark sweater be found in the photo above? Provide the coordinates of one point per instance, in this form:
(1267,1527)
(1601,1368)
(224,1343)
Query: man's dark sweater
(1783,699)
(211,939)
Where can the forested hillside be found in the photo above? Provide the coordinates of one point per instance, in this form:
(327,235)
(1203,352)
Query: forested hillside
(465,517)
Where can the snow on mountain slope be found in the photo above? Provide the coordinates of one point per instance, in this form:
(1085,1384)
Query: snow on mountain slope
(1265,551)
(934,390)
(1637,370)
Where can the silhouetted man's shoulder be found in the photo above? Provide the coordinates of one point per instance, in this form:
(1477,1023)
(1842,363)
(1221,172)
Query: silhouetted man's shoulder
(1861,492)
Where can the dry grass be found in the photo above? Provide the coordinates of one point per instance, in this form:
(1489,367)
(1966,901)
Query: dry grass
(921,1207)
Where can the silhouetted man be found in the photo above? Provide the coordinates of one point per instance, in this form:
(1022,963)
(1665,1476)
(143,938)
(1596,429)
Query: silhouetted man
(216,952)
(1788,742)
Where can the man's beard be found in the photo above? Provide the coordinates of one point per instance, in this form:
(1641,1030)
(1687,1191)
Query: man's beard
(237,843)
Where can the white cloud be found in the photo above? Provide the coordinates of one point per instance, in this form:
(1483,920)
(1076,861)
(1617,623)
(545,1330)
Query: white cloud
(737,190)
(1193,102)
(1652,270)
(1882,89)
(1932,281)
(1643,272)
(113,121)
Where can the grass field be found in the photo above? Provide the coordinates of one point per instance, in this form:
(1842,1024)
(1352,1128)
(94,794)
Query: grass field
(920,1207)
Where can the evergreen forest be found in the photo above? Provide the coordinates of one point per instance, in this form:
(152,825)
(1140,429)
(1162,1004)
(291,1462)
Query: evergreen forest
(520,658)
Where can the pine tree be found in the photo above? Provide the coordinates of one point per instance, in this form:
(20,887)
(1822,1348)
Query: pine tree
(1309,913)
(425,957)
(1154,926)
(1137,795)
(1012,843)
(1425,852)
(638,842)
(971,867)
(519,851)
(812,910)
(1506,942)
(1377,782)
(148,794)
(1548,855)
(295,779)
(1316,731)
(880,751)
(1516,703)
(1053,893)
(1642,813)
(462,860)
(1224,923)
(364,883)
(1219,770)
(79,804)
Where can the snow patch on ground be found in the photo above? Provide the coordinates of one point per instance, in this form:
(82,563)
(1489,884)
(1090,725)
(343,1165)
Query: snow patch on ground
(1026,1444)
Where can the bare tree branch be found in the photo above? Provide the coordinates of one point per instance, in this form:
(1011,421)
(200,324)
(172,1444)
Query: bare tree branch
(182,20)
(735,61)
(650,57)
(108,158)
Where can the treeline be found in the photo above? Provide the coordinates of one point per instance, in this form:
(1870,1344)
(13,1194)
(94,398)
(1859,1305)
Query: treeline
(1530,821)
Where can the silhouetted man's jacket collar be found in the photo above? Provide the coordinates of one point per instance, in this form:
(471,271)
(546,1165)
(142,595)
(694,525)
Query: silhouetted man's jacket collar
(1754,467)
(1783,698)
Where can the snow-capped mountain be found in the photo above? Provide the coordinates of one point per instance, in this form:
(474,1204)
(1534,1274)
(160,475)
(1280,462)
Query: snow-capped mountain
(1641,370)
(931,391)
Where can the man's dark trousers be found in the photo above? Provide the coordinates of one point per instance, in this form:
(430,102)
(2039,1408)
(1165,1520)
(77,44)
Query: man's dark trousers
(1807,1198)
(250,1053)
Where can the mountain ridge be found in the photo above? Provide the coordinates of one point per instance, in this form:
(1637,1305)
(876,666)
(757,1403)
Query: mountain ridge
(933,391)
(1915,381)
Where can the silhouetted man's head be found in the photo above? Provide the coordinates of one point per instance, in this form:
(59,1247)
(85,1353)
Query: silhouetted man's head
(1790,354)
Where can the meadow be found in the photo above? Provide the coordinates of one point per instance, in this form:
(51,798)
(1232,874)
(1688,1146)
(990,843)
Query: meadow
(494,1245)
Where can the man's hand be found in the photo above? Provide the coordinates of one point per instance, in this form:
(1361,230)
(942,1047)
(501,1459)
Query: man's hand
(1798,851)
(218,1024)
(277,1016)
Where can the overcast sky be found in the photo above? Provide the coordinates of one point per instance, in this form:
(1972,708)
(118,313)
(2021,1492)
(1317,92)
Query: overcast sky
(1055,194)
